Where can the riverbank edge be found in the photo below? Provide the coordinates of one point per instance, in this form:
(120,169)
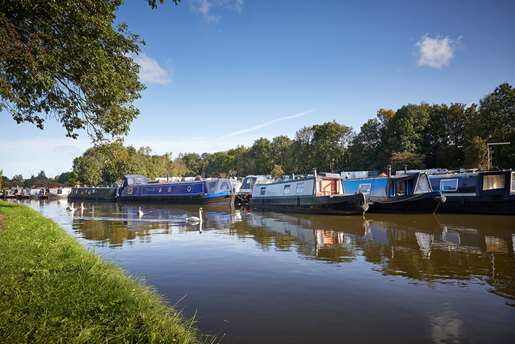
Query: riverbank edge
(52,289)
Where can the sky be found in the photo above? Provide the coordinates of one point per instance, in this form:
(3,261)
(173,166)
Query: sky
(222,73)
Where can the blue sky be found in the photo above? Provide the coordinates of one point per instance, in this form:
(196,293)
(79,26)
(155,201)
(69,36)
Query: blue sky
(224,72)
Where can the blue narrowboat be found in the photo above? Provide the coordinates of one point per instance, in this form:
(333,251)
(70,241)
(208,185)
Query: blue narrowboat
(139,188)
(397,194)
(480,192)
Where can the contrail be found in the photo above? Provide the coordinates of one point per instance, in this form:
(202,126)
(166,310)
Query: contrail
(265,124)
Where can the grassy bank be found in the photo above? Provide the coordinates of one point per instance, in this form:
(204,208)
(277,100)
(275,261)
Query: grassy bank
(53,290)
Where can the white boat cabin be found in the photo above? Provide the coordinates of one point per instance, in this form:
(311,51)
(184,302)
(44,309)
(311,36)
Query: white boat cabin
(317,186)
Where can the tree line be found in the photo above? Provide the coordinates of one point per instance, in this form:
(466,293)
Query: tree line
(415,135)
(40,180)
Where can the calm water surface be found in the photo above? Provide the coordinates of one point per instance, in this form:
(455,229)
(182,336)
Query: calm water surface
(252,277)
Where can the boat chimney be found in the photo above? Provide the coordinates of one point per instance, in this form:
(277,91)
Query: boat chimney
(405,169)
(315,172)
(389,170)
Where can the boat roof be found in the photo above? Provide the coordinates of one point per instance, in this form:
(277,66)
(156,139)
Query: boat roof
(410,175)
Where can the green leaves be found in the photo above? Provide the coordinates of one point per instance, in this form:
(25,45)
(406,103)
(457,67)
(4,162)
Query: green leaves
(64,60)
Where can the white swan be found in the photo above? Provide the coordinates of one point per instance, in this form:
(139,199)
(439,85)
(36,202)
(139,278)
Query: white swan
(195,220)
(140,213)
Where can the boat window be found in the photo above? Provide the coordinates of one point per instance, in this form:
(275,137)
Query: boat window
(364,188)
(248,182)
(422,184)
(494,181)
(286,189)
(300,188)
(262,191)
(400,188)
(448,185)
(513,182)
(328,187)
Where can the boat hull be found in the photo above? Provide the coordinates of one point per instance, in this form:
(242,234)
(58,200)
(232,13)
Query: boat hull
(93,194)
(340,205)
(419,203)
(478,205)
(193,199)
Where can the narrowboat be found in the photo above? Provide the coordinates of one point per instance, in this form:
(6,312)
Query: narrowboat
(139,188)
(479,192)
(56,193)
(244,194)
(316,194)
(397,194)
(36,193)
(93,194)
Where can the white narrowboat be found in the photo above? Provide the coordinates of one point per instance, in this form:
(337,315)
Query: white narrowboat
(319,194)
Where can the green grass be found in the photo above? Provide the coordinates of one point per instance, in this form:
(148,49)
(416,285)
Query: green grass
(53,290)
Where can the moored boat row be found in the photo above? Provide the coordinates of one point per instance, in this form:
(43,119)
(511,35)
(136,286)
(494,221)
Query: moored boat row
(36,193)
(486,192)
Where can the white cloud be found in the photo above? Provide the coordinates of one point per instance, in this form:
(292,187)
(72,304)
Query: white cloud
(266,124)
(150,71)
(205,8)
(435,52)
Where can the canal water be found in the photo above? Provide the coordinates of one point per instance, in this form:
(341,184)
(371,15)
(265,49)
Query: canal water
(253,277)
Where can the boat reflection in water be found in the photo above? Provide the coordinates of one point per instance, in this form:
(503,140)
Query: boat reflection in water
(423,247)
(114,224)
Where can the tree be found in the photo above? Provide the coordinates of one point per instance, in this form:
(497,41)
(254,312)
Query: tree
(66,60)
(301,151)
(193,163)
(88,170)
(17,180)
(153,3)
(329,145)
(405,131)
(445,135)
(73,179)
(385,116)
(1,179)
(281,152)
(476,153)
(410,160)
(366,146)
(277,171)
(238,161)
(496,123)
(260,155)
(64,178)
